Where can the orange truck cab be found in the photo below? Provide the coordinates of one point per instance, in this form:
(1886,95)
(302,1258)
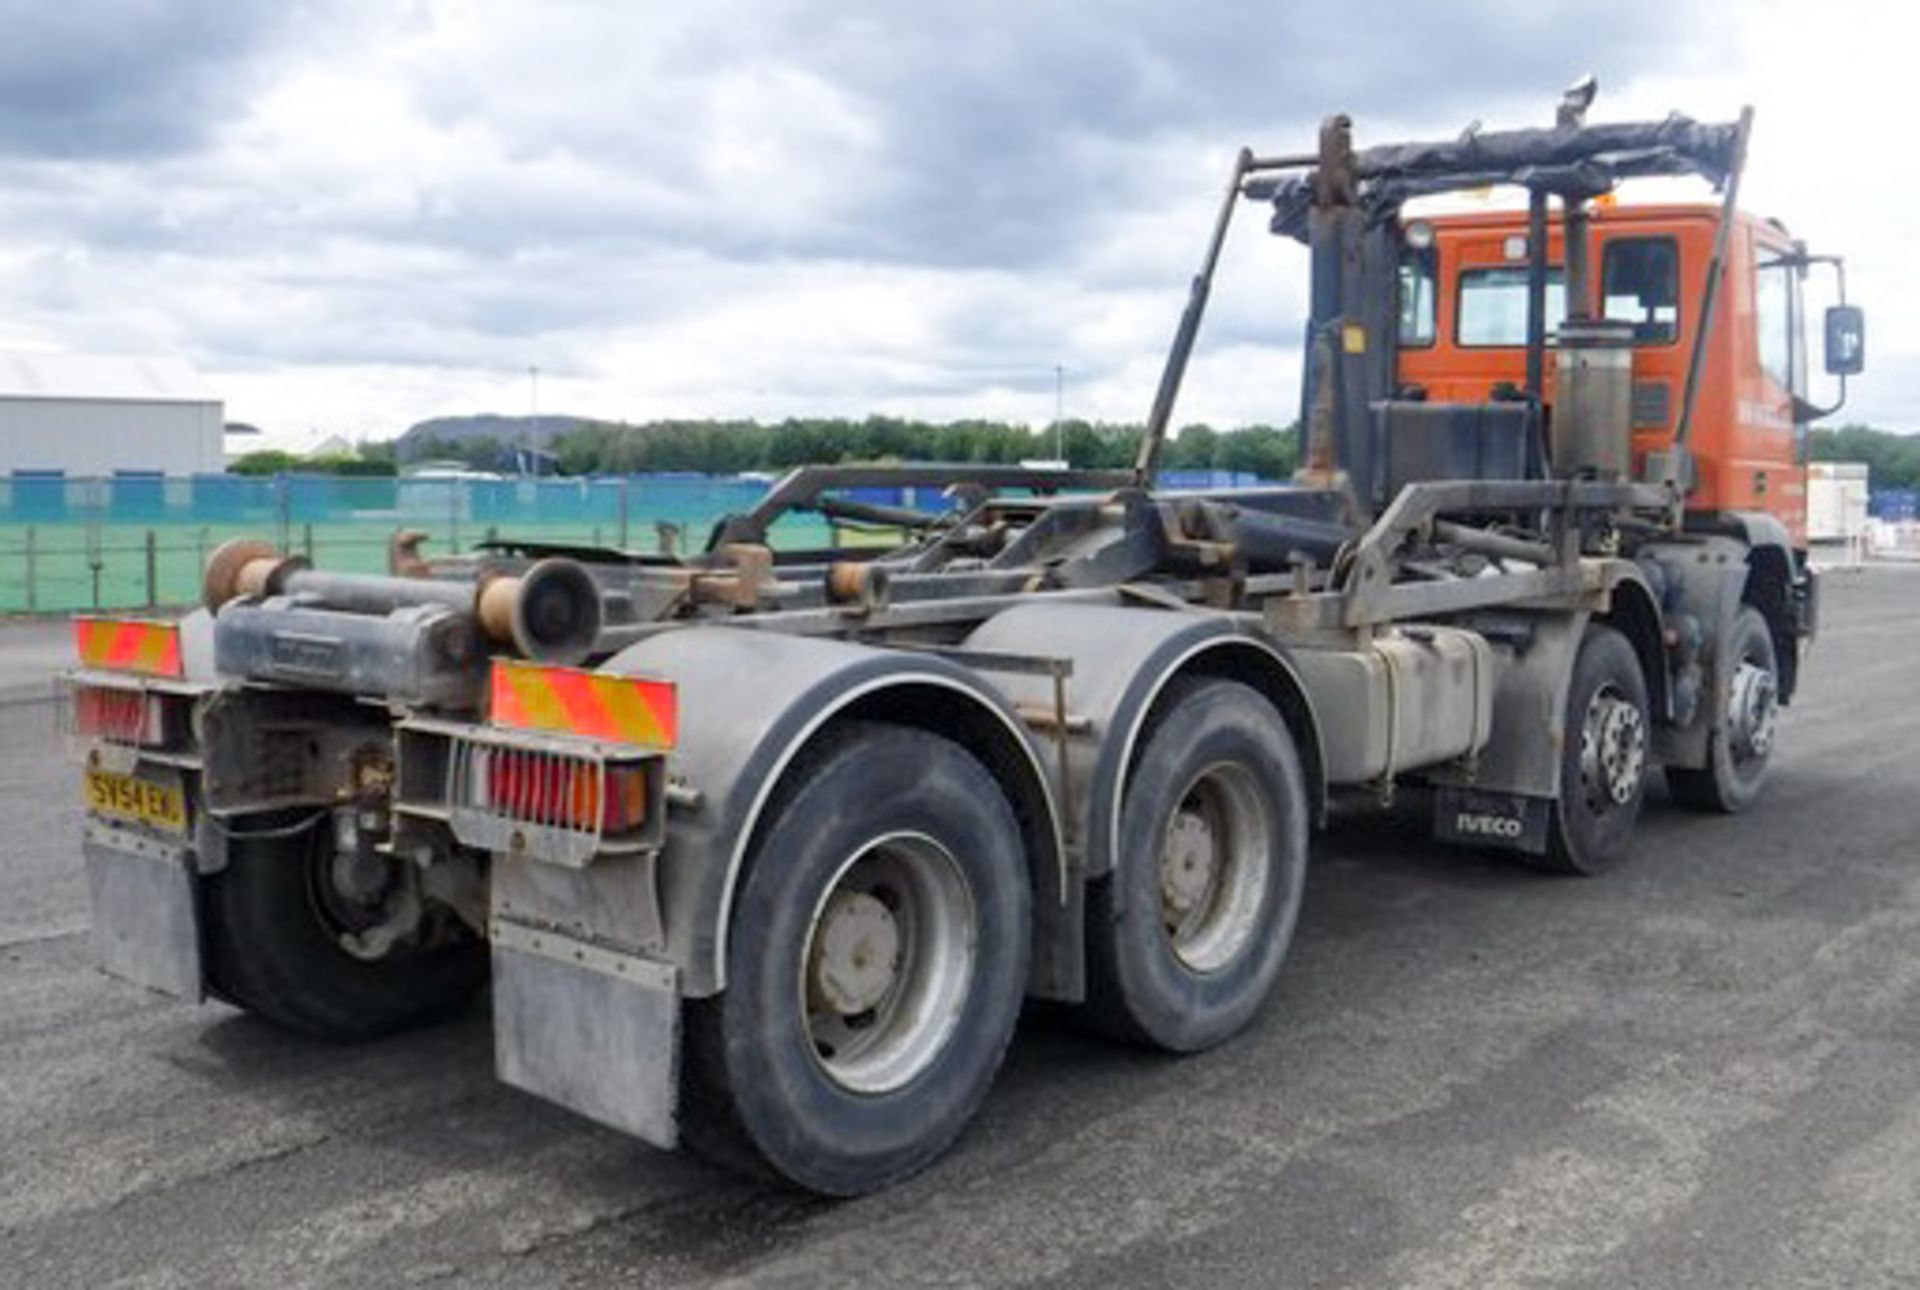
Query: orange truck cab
(1654,352)
(1439,347)
(1462,336)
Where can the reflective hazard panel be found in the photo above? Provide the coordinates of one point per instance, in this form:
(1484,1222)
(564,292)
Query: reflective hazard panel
(128,645)
(598,705)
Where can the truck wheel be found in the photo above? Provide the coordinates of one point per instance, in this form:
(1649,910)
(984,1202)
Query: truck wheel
(274,919)
(1738,753)
(876,963)
(1603,764)
(1186,935)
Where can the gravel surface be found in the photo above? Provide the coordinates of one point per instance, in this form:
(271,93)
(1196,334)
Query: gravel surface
(1702,1070)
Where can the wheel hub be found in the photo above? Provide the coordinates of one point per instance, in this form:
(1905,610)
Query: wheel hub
(1751,710)
(1613,750)
(1214,858)
(856,954)
(360,878)
(888,962)
(1189,864)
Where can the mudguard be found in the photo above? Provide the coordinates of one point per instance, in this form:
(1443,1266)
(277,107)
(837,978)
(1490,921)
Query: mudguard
(143,889)
(1522,754)
(749,703)
(1122,659)
(1704,580)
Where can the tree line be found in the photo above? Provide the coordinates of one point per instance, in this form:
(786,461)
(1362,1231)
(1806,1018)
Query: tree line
(730,447)
(1893,460)
(372,459)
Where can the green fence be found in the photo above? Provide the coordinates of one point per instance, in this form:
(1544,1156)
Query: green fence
(136,541)
(139,540)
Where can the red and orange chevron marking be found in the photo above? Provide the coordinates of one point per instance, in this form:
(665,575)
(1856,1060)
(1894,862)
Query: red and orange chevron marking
(129,645)
(568,701)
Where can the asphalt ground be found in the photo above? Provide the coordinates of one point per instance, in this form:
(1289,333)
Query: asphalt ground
(1702,1070)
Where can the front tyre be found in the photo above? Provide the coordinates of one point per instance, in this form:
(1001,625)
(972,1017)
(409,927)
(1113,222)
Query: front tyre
(876,963)
(1186,936)
(1603,761)
(276,916)
(1742,745)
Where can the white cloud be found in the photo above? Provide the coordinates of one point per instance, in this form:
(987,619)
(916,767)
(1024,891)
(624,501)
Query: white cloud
(365,214)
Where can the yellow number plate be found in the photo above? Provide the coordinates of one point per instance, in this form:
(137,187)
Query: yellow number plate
(127,798)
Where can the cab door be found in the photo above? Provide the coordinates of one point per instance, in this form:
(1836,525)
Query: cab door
(1764,467)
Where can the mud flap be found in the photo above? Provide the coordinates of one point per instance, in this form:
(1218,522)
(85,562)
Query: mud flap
(146,911)
(1482,819)
(589,1027)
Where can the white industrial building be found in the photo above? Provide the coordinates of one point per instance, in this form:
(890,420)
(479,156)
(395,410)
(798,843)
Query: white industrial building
(1837,493)
(85,415)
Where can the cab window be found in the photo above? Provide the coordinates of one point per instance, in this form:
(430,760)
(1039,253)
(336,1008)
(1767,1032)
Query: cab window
(1640,284)
(1773,321)
(1417,273)
(1493,305)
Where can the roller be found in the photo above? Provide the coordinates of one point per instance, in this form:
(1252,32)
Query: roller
(550,613)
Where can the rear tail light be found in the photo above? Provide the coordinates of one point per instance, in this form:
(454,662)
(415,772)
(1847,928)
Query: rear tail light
(120,716)
(560,791)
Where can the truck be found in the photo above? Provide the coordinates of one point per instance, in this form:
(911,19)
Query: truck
(763,848)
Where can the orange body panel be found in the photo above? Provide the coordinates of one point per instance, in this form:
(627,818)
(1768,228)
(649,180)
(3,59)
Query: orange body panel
(1745,444)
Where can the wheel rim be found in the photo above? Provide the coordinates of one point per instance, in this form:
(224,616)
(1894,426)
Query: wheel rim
(1613,750)
(1215,855)
(351,893)
(1751,709)
(888,963)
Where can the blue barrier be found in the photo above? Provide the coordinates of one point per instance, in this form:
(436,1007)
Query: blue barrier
(1894,505)
(288,501)
(141,540)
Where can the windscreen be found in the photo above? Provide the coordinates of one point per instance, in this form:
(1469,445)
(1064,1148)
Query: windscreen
(1493,305)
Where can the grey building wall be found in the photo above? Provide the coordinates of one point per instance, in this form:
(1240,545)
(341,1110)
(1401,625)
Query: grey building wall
(100,436)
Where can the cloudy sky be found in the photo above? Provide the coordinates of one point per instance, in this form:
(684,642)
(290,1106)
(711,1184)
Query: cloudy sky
(353,215)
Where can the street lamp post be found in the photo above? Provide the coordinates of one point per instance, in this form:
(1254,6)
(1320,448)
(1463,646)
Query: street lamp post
(1059,413)
(533,417)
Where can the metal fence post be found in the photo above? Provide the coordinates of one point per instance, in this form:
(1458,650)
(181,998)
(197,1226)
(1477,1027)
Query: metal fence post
(623,512)
(32,598)
(95,558)
(93,503)
(153,571)
(453,515)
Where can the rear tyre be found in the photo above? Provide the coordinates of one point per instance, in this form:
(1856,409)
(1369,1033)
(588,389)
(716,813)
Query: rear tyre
(1604,760)
(876,963)
(273,928)
(1186,936)
(1742,746)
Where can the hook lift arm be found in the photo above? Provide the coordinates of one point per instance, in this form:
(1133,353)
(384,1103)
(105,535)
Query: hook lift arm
(1155,437)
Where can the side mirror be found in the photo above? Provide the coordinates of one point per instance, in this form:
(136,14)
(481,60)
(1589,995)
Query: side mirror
(1846,340)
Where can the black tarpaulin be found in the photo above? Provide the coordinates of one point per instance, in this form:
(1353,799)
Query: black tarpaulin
(1582,161)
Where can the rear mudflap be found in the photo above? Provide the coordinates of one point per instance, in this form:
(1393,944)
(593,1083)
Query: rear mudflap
(146,909)
(579,1018)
